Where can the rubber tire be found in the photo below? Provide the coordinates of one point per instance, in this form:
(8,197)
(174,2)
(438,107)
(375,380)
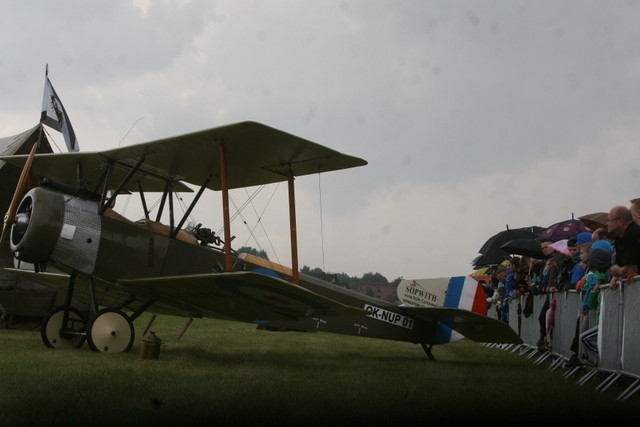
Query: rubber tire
(110,331)
(52,323)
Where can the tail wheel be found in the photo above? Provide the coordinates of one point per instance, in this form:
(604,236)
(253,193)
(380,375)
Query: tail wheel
(110,331)
(56,335)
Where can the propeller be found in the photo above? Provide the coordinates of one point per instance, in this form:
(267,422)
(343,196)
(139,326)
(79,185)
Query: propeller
(10,216)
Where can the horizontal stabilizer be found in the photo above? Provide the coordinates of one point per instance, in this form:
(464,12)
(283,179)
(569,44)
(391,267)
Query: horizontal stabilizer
(473,326)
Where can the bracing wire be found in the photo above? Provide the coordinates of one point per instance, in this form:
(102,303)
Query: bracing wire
(259,222)
(126,205)
(128,199)
(154,205)
(259,216)
(239,210)
(183,205)
(130,129)
(244,221)
(50,138)
(321,222)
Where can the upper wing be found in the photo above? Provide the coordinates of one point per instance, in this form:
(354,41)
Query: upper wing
(256,154)
(473,326)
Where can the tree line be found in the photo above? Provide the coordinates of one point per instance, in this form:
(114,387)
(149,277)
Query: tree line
(342,279)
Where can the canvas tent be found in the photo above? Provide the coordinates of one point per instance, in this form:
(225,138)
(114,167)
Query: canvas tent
(19,297)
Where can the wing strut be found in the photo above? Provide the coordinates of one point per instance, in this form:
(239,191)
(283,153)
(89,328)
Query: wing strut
(105,187)
(191,206)
(167,190)
(294,234)
(124,182)
(228,263)
(171,224)
(144,202)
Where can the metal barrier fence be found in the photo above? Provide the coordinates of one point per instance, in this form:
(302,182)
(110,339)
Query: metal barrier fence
(618,333)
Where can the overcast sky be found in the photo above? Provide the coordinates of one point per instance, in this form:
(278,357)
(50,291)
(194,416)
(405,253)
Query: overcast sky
(473,115)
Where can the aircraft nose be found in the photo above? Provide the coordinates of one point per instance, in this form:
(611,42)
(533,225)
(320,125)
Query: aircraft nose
(37,225)
(21,222)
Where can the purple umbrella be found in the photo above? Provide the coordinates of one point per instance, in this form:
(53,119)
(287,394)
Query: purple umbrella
(563,230)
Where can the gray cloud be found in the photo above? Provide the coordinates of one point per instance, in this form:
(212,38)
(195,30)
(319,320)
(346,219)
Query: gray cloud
(472,115)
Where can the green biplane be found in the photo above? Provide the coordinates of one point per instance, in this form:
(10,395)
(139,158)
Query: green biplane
(121,268)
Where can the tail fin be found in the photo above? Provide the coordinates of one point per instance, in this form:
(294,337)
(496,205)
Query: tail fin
(451,292)
(465,292)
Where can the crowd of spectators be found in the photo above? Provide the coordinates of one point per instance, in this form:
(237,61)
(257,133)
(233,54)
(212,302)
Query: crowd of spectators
(607,256)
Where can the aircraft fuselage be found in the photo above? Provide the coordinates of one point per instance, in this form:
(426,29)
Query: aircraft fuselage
(69,232)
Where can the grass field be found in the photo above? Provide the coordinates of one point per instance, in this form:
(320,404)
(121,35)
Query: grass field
(227,373)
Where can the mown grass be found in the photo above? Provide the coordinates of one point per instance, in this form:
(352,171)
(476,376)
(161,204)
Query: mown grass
(228,373)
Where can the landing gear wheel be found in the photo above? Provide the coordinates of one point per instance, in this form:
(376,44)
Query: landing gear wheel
(110,331)
(51,330)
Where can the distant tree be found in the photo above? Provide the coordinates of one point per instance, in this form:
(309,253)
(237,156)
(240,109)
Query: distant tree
(340,279)
(355,282)
(318,273)
(374,278)
(397,281)
(253,251)
(343,278)
(350,282)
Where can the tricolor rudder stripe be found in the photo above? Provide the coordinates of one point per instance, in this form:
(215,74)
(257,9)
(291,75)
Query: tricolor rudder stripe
(465,292)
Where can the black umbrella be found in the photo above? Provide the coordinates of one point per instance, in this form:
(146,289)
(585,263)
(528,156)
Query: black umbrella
(524,246)
(482,261)
(491,252)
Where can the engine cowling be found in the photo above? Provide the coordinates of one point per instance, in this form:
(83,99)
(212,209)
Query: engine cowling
(55,227)
(38,224)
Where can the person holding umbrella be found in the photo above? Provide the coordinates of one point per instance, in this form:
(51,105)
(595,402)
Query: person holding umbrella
(581,243)
(554,269)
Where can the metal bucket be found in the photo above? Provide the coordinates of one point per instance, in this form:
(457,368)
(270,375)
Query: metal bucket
(150,346)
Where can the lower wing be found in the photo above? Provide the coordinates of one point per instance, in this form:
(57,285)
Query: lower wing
(243,296)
